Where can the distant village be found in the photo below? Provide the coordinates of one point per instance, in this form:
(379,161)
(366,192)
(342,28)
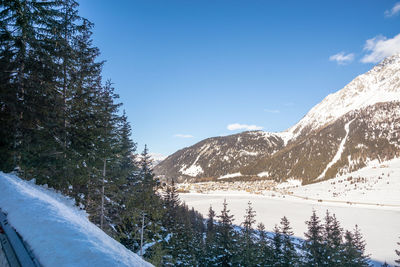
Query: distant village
(253,187)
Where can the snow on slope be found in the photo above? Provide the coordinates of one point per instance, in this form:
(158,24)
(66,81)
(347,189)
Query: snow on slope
(338,154)
(378,183)
(58,232)
(380,84)
(230,175)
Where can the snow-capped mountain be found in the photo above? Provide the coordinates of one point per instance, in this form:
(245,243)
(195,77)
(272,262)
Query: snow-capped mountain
(380,84)
(349,128)
(345,145)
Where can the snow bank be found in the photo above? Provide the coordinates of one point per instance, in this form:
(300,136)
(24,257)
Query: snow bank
(58,232)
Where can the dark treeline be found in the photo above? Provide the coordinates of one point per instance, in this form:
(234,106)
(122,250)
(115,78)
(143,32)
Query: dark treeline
(62,124)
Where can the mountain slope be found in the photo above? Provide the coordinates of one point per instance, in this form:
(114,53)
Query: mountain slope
(380,84)
(347,129)
(218,156)
(57,231)
(346,145)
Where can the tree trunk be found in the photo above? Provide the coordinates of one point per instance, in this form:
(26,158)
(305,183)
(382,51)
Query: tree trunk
(141,237)
(102,195)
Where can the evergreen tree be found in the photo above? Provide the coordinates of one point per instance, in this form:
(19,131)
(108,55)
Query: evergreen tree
(29,104)
(313,244)
(398,255)
(362,259)
(264,255)
(289,254)
(171,202)
(210,246)
(84,118)
(146,203)
(225,238)
(354,249)
(105,147)
(349,250)
(210,221)
(247,243)
(333,237)
(277,253)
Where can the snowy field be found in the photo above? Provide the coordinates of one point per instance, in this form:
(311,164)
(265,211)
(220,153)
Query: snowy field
(375,205)
(379,226)
(58,232)
(378,183)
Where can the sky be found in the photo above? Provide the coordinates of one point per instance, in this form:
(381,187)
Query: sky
(187,70)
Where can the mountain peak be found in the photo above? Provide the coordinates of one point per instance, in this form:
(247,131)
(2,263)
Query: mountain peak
(380,84)
(391,60)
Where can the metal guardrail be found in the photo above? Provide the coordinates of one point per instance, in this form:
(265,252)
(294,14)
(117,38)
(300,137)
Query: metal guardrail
(16,251)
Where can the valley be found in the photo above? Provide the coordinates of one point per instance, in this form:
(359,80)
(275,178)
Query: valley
(368,197)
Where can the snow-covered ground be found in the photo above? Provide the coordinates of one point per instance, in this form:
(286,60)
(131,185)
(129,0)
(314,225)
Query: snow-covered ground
(354,201)
(378,183)
(58,232)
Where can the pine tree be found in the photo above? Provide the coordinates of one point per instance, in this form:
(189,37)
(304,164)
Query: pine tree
(247,243)
(210,221)
(225,238)
(349,250)
(210,248)
(398,255)
(289,253)
(359,243)
(84,117)
(123,171)
(31,99)
(144,208)
(277,253)
(354,249)
(264,255)
(171,202)
(333,236)
(105,147)
(313,244)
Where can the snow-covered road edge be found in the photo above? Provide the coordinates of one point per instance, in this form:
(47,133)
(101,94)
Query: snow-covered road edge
(58,232)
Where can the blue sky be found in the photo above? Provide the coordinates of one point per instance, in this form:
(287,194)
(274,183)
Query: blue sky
(186,70)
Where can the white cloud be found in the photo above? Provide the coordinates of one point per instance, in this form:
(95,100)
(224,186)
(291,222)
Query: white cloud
(341,58)
(271,110)
(238,126)
(380,47)
(394,11)
(183,135)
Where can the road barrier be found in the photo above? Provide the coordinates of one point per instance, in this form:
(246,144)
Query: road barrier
(16,251)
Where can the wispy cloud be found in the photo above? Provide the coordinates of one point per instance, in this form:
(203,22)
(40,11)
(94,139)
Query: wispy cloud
(183,135)
(272,110)
(394,11)
(380,47)
(342,58)
(238,126)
